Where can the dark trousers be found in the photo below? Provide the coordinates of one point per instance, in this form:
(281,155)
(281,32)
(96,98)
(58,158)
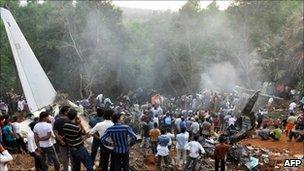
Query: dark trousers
(11,146)
(50,153)
(95,145)
(189,161)
(119,162)
(259,123)
(21,145)
(168,127)
(223,163)
(40,164)
(154,147)
(104,158)
(159,159)
(81,155)
(296,136)
(292,135)
(65,156)
(301,138)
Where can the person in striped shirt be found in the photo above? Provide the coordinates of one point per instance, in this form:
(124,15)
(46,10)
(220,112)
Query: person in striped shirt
(119,135)
(72,136)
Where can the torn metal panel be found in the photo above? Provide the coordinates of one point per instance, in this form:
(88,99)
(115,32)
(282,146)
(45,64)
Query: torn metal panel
(37,88)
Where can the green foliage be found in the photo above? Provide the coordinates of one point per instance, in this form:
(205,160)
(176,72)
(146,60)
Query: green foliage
(7,69)
(87,47)
(301,86)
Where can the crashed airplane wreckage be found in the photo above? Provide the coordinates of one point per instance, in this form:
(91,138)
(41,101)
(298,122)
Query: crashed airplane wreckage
(247,111)
(37,88)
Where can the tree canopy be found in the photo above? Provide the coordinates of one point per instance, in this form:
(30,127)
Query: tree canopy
(86,47)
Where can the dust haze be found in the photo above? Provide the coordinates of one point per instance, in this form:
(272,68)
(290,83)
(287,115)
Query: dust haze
(163,51)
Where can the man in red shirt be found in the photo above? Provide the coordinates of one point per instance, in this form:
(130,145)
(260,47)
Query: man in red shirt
(220,153)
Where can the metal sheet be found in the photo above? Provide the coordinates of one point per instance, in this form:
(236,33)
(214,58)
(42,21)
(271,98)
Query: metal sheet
(36,86)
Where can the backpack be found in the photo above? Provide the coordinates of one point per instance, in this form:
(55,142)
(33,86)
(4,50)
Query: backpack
(168,121)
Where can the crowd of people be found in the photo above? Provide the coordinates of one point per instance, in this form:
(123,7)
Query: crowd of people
(178,124)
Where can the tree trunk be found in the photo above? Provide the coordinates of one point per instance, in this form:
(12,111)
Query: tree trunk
(81,86)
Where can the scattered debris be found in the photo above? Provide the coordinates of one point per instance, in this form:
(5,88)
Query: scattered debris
(298,156)
(252,163)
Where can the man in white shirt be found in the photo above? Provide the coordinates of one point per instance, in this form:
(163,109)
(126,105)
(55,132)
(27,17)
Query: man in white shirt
(195,149)
(21,103)
(182,140)
(270,101)
(231,121)
(171,137)
(99,100)
(292,106)
(153,110)
(43,132)
(40,164)
(16,128)
(206,129)
(177,124)
(195,127)
(227,115)
(155,119)
(100,128)
(162,149)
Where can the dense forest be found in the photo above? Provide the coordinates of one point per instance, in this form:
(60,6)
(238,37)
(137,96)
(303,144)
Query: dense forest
(87,46)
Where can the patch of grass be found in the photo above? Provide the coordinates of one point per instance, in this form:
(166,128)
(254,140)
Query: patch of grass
(275,114)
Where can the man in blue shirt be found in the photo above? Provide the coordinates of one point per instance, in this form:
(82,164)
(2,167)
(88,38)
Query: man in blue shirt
(162,149)
(182,140)
(119,135)
(168,121)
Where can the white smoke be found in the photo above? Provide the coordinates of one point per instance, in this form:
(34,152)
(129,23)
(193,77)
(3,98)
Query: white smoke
(220,77)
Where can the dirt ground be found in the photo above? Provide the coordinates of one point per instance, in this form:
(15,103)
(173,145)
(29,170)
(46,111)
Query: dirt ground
(281,146)
(279,151)
(21,162)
